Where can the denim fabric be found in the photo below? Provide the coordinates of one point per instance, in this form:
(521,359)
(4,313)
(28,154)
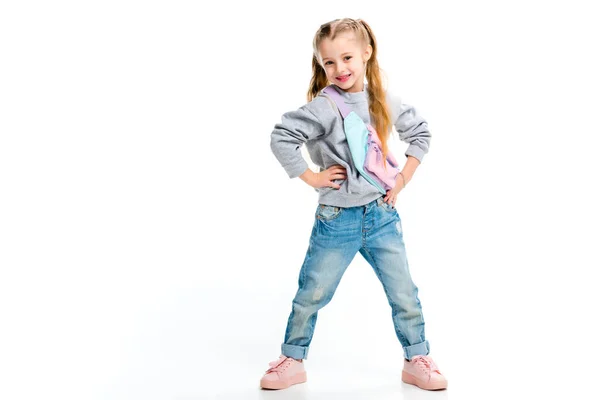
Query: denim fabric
(374,230)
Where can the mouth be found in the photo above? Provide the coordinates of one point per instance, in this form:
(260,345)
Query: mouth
(343,78)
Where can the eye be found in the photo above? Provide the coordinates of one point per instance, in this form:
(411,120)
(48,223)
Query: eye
(348,57)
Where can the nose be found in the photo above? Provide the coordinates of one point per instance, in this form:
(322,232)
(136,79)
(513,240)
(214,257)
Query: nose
(341,72)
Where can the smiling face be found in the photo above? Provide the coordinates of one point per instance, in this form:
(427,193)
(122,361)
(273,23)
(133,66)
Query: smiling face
(343,60)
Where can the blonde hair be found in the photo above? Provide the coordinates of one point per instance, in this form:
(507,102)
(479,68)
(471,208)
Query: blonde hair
(377,102)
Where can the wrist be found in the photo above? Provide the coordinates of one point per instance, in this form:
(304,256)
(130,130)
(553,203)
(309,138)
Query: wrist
(308,177)
(402,179)
(407,176)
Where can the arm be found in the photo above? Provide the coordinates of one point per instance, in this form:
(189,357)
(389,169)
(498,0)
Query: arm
(412,129)
(295,129)
(288,136)
(402,179)
(408,171)
(308,177)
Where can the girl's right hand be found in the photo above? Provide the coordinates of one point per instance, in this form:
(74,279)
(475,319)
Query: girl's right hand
(325,178)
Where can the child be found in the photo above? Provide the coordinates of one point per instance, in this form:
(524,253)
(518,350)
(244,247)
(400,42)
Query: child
(352,215)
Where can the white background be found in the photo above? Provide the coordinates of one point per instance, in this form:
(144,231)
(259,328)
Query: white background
(150,242)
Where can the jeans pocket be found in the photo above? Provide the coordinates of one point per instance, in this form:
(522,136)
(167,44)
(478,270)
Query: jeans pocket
(328,213)
(385,206)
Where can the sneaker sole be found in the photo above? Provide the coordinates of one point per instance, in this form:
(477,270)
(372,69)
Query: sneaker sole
(298,378)
(412,380)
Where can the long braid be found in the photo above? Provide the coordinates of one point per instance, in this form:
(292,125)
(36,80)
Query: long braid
(318,80)
(377,100)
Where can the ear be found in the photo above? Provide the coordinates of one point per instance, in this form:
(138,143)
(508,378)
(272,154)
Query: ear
(367,53)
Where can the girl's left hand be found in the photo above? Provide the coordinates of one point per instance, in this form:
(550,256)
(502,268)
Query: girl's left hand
(392,194)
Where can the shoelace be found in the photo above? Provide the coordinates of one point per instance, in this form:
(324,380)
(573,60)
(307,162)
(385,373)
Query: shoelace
(426,364)
(277,365)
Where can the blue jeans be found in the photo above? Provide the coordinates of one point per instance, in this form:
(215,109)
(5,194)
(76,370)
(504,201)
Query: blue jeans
(374,230)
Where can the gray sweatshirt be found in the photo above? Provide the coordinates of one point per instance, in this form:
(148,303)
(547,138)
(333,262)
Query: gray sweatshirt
(319,126)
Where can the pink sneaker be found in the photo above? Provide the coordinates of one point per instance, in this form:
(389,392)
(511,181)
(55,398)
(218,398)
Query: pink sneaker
(422,372)
(283,373)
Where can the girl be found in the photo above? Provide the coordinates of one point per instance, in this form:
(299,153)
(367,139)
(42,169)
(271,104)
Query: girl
(352,215)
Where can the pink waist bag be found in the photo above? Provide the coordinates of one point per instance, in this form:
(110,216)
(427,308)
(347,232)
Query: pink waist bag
(385,175)
(365,147)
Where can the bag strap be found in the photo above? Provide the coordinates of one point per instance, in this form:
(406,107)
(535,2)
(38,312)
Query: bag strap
(339,101)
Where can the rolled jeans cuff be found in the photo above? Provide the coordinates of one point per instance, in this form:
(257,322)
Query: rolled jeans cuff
(297,352)
(416,349)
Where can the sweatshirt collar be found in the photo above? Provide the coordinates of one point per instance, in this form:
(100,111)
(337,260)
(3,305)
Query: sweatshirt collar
(353,97)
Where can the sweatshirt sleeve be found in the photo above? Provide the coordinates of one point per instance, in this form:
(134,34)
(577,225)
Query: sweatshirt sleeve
(411,127)
(296,128)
